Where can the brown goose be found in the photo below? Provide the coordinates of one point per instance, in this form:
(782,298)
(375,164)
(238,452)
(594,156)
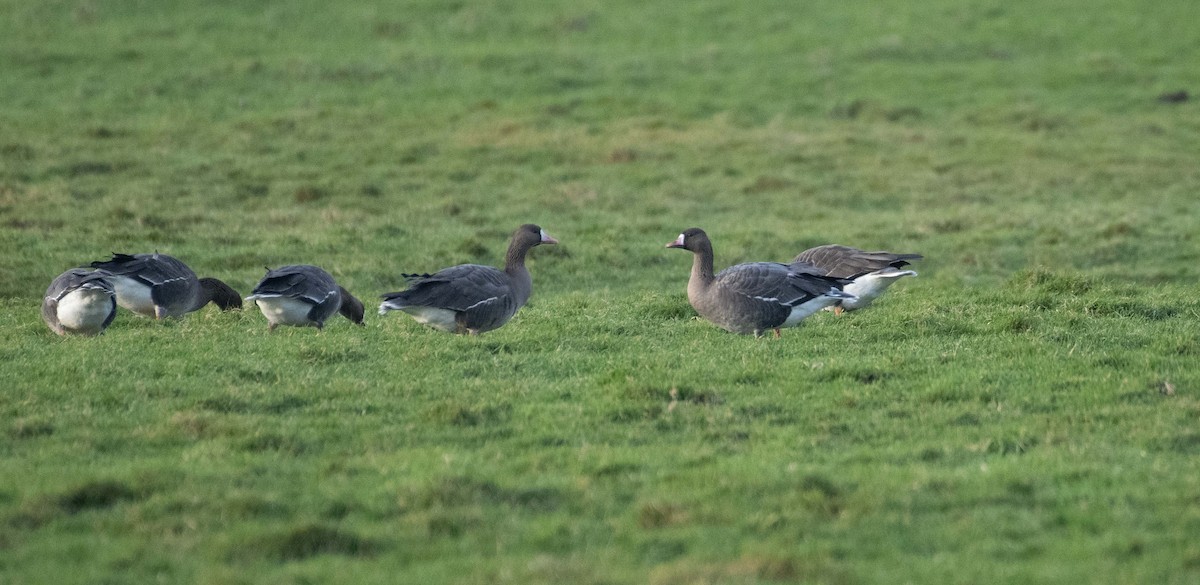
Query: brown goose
(470,298)
(303,295)
(756,296)
(157,285)
(869,273)
(79,301)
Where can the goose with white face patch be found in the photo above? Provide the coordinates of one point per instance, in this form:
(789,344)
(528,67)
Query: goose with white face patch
(869,273)
(303,295)
(471,298)
(80,302)
(159,286)
(756,296)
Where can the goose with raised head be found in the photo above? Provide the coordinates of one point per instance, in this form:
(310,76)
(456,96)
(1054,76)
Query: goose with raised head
(159,286)
(869,273)
(756,296)
(471,298)
(303,295)
(80,302)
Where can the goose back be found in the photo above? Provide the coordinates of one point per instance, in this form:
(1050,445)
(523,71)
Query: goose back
(847,262)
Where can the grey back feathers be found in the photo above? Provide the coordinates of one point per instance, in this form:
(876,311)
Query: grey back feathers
(846,262)
(80,302)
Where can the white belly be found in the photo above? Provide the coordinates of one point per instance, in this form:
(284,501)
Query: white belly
(133,295)
(84,310)
(284,310)
(442,319)
(803,310)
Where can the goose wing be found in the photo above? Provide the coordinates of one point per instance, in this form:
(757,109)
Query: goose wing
(458,288)
(307,283)
(169,279)
(762,282)
(847,262)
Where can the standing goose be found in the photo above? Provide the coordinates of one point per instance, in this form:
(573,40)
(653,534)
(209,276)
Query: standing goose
(869,273)
(303,296)
(470,298)
(157,285)
(80,301)
(756,296)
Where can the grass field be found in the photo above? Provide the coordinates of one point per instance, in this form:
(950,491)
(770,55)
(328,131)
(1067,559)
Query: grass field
(1026,410)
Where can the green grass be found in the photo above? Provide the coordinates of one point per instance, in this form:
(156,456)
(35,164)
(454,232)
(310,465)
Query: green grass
(1024,411)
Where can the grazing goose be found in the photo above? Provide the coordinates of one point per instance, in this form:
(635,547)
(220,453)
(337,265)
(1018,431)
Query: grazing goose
(303,296)
(757,296)
(470,298)
(80,301)
(157,285)
(869,273)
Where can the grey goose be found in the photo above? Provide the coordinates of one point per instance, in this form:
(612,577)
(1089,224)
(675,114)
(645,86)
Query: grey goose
(159,286)
(756,296)
(80,302)
(869,273)
(470,298)
(303,295)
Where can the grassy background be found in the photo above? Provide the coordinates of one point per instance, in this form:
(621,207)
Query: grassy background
(1025,410)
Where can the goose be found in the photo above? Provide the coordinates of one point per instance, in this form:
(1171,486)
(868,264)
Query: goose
(303,295)
(80,302)
(470,298)
(159,286)
(756,296)
(869,273)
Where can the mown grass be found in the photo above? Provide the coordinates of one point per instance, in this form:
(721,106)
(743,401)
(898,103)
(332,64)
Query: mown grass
(1024,411)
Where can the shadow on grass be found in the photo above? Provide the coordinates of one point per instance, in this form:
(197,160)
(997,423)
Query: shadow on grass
(93,495)
(306,541)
